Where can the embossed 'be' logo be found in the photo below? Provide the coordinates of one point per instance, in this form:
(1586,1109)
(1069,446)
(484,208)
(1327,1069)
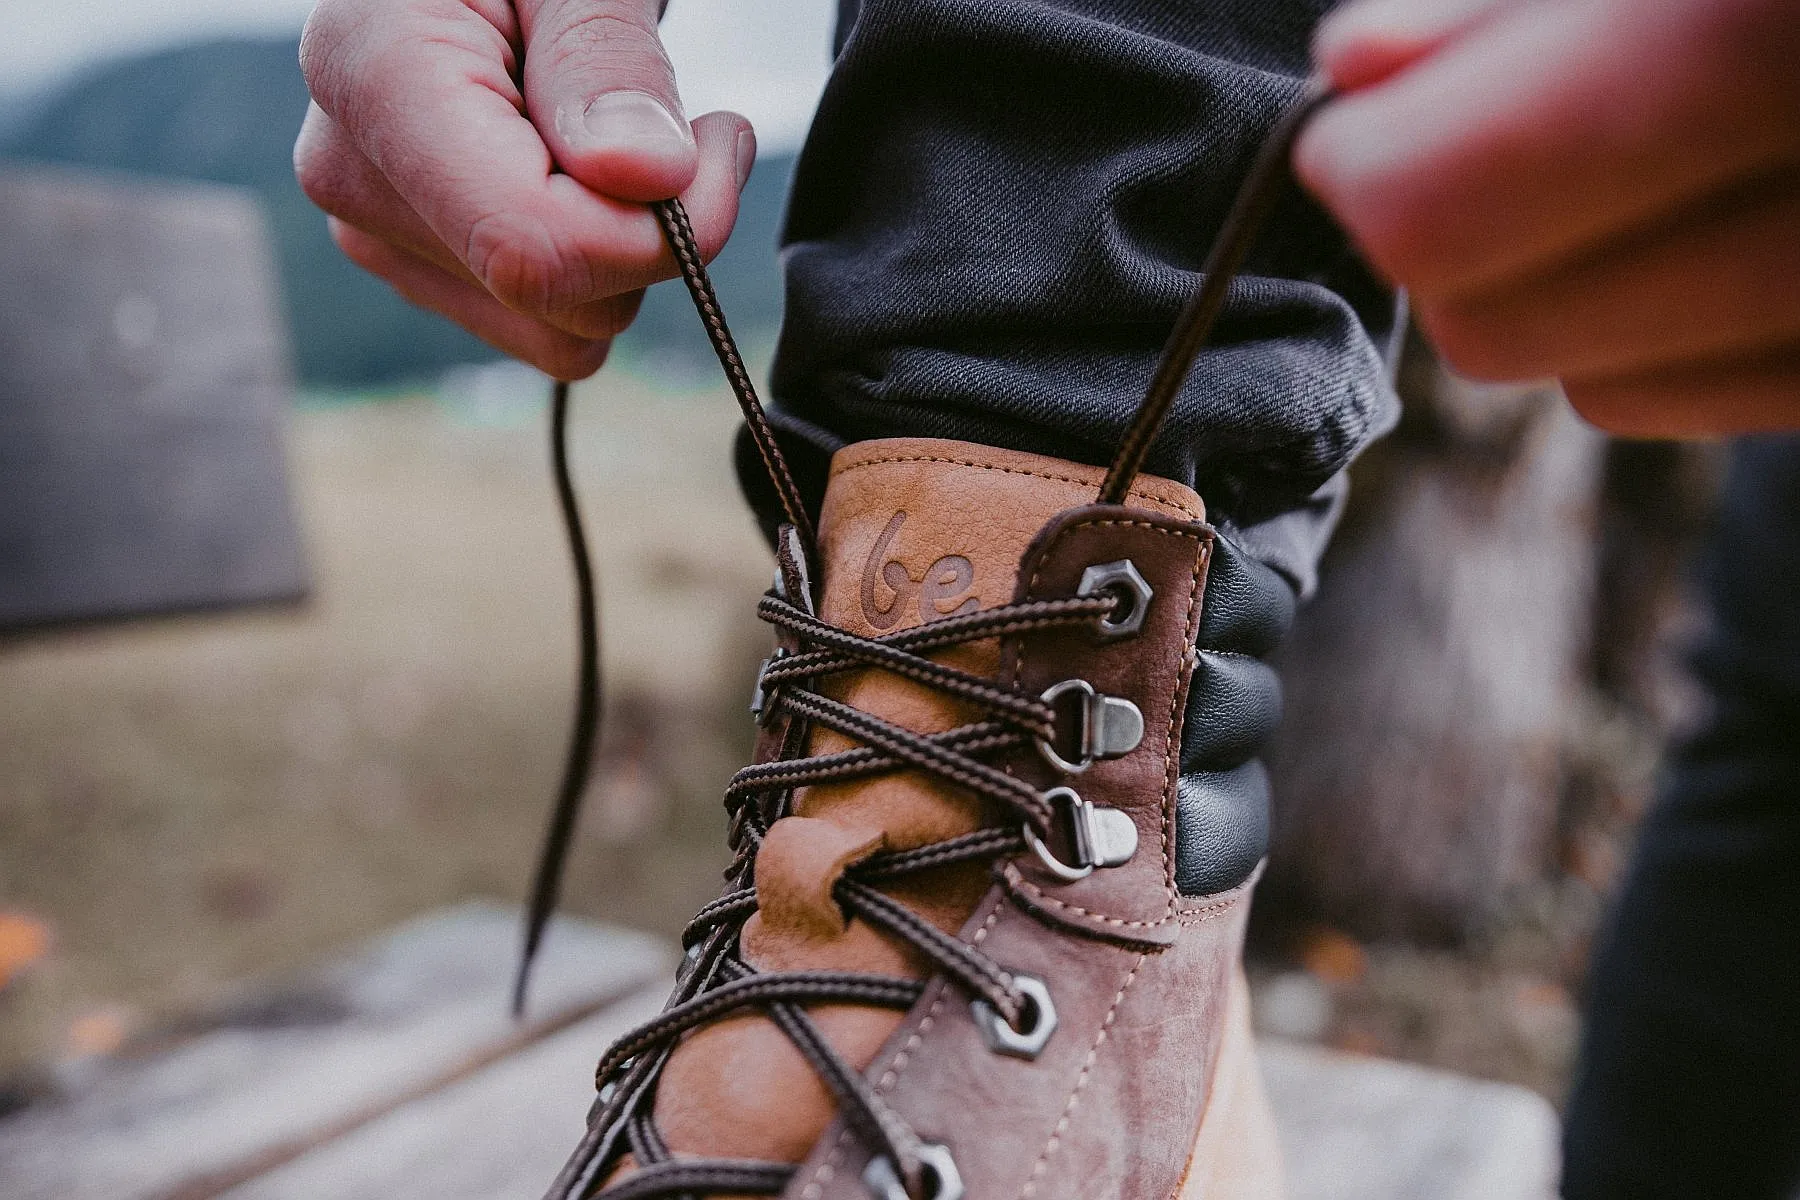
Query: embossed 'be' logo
(936,592)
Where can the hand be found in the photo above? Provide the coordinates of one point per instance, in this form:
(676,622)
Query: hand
(490,160)
(1606,191)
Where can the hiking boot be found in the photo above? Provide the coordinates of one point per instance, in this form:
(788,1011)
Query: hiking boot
(982,944)
(994,858)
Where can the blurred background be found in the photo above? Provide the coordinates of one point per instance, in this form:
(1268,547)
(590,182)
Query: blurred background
(286,649)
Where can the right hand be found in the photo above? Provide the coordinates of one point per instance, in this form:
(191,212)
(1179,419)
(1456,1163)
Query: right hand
(491,160)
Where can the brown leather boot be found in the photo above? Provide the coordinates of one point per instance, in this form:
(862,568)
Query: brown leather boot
(995,855)
(961,954)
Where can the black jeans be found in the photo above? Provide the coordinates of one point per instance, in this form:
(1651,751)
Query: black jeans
(997,215)
(1689,1082)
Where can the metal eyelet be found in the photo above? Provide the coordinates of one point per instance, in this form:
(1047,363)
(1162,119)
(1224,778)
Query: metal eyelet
(759,694)
(1124,579)
(1102,837)
(1110,726)
(1038,1020)
(942,1180)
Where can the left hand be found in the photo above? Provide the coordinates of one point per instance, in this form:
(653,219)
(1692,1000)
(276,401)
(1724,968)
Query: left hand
(1605,191)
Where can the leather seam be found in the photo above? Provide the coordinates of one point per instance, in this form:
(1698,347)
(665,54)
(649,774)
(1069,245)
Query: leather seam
(1175,507)
(1087,1067)
(825,1171)
(1210,912)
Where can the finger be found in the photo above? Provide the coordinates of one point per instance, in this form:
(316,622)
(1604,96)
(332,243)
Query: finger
(1550,127)
(1760,394)
(1720,280)
(601,91)
(1365,42)
(727,155)
(346,185)
(436,111)
(551,350)
(335,176)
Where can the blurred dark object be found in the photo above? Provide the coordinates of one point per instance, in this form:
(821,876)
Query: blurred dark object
(1690,1073)
(143,378)
(1503,574)
(228,111)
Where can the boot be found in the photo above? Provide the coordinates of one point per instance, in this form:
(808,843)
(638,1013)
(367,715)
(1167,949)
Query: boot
(981,936)
(985,946)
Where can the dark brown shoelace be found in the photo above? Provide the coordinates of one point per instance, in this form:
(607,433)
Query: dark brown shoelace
(714,981)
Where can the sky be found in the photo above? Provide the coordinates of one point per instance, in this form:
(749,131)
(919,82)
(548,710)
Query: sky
(764,58)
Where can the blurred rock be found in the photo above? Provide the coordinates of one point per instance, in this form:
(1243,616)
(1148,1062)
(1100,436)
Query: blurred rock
(1293,1005)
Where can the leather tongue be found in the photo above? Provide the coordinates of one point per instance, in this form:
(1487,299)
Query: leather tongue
(911,530)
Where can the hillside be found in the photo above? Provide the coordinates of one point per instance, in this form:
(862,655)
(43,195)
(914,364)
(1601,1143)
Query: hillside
(227,111)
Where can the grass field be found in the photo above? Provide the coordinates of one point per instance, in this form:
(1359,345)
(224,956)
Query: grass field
(188,800)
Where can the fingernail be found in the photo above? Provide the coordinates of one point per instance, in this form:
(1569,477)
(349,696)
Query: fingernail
(746,156)
(635,121)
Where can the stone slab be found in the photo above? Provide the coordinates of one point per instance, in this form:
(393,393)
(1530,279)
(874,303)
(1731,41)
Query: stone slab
(143,383)
(318,1057)
(394,1074)
(1355,1128)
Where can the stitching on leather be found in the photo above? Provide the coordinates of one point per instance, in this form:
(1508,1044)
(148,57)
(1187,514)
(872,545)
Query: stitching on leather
(1175,506)
(1211,912)
(1098,918)
(815,1187)
(1087,1067)
(825,1171)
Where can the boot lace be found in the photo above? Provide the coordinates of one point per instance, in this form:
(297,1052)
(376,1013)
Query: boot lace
(715,982)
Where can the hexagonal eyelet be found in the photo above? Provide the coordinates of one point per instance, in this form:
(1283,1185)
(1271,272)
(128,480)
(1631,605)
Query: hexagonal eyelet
(942,1180)
(1124,579)
(1036,1022)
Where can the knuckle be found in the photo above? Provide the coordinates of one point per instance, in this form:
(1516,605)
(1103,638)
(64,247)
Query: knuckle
(521,262)
(361,70)
(604,24)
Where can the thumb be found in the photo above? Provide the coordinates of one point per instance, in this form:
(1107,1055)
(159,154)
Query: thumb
(601,92)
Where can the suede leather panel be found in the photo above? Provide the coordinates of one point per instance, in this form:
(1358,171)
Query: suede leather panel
(1135,903)
(1141,977)
(911,530)
(1112,1105)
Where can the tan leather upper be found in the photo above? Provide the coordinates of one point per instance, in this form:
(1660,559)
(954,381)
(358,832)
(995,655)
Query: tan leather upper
(911,530)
